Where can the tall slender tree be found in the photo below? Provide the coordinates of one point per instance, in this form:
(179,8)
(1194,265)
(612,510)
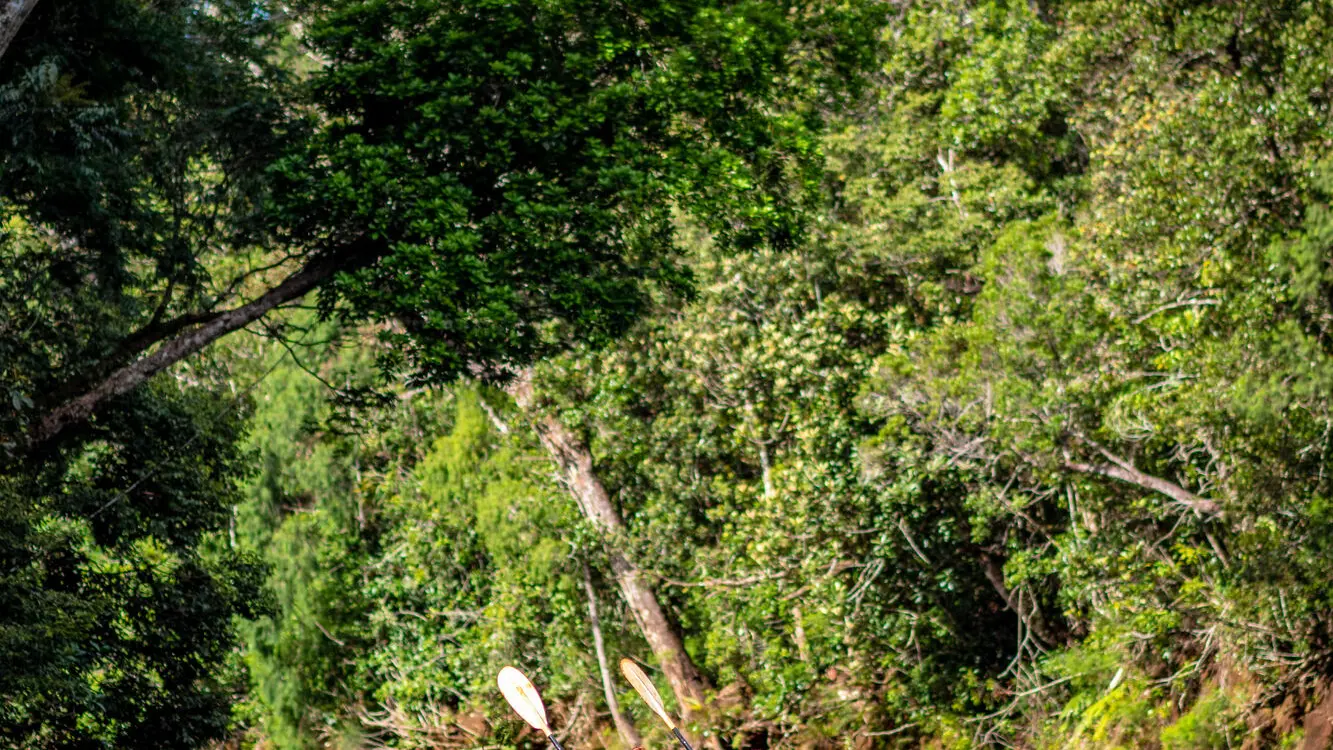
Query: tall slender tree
(574,461)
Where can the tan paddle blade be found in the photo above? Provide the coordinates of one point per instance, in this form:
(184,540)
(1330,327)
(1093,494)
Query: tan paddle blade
(644,687)
(520,693)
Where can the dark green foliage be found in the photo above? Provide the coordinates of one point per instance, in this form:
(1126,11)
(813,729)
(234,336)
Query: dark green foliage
(127,153)
(113,612)
(132,153)
(509,169)
(108,101)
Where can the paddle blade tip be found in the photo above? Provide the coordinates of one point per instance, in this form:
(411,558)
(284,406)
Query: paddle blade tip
(522,696)
(645,688)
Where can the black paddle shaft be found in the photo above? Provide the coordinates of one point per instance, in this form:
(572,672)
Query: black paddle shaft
(555,742)
(683,742)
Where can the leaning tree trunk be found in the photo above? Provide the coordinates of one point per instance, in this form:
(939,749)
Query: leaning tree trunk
(131,376)
(12,15)
(575,462)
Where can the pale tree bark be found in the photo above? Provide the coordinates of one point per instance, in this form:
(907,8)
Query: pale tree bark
(132,375)
(12,15)
(802,645)
(575,463)
(797,617)
(1118,468)
(765,469)
(628,734)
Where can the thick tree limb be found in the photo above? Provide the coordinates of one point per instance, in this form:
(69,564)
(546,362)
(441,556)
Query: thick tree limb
(12,15)
(1118,468)
(157,329)
(129,377)
(575,463)
(144,338)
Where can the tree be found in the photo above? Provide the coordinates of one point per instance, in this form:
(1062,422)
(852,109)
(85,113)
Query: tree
(1090,452)
(140,155)
(118,592)
(574,463)
(489,181)
(495,179)
(413,551)
(1106,394)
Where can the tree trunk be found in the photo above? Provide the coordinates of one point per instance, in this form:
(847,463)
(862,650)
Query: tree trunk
(802,645)
(575,463)
(12,15)
(131,376)
(628,734)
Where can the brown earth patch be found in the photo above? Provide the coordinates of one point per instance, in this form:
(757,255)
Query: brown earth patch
(1319,722)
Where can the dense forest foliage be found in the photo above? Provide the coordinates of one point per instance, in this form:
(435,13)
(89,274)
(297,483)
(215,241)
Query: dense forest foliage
(912,373)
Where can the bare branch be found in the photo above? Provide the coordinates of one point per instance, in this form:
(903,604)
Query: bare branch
(494,416)
(155,331)
(241,278)
(624,726)
(273,334)
(574,461)
(1119,468)
(724,582)
(1173,306)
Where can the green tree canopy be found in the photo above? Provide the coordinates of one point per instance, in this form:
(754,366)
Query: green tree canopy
(129,133)
(496,179)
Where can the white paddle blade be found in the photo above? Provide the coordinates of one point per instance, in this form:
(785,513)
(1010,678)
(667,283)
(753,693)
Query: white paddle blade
(645,689)
(520,693)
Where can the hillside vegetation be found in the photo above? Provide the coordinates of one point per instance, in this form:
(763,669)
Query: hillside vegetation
(937,373)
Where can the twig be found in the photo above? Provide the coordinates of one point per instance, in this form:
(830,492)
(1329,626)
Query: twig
(1174,305)
(327,633)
